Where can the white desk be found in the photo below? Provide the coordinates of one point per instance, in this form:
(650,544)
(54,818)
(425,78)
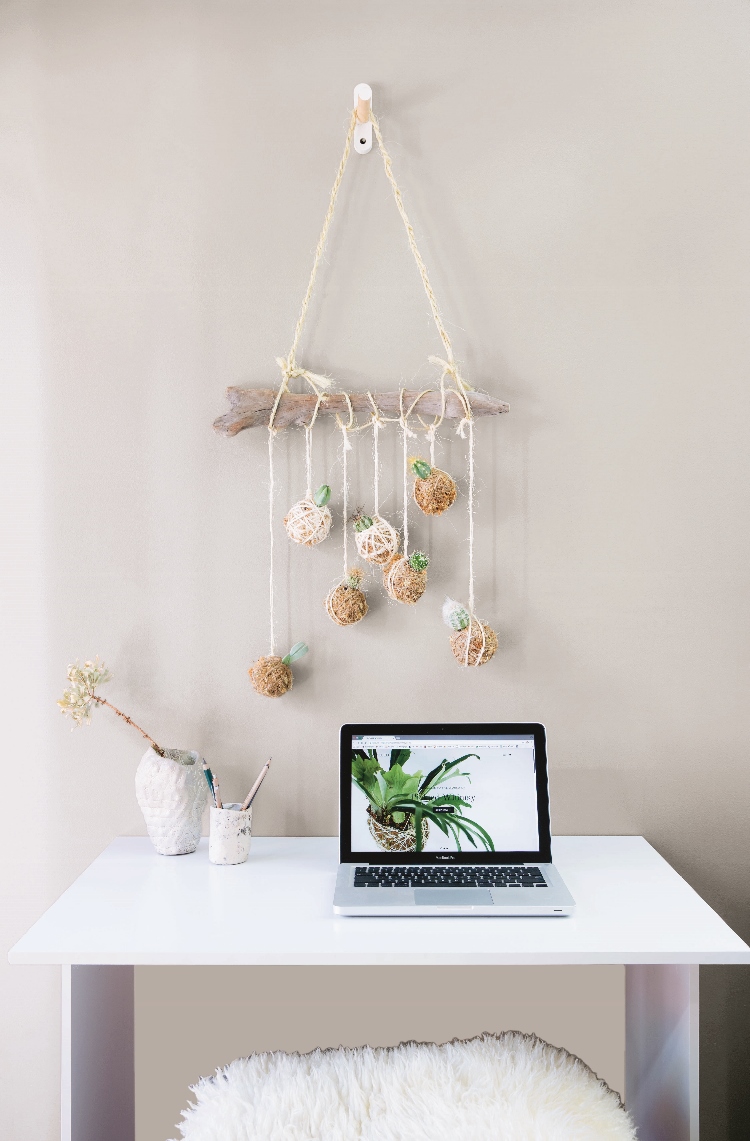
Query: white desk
(132,907)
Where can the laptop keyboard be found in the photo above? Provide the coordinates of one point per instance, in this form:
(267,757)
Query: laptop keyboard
(456,876)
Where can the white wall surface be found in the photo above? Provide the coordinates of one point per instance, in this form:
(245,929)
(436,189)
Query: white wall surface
(579,178)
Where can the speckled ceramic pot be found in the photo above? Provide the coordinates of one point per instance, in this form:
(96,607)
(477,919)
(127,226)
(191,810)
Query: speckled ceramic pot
(172,793)
(229,834)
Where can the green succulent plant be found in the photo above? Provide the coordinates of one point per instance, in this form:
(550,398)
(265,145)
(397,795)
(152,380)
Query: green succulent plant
(362,523)
(353,578)
(298,650)
(322,495)
(419,561)
(455,615)
(395,796)
(421,468)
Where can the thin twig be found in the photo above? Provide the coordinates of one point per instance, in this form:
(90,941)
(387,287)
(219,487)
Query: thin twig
(130,721)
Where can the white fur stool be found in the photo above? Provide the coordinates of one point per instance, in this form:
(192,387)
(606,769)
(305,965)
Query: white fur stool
(509,1087)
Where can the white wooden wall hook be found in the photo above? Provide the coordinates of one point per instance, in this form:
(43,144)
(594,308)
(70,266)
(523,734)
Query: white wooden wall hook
(363,133)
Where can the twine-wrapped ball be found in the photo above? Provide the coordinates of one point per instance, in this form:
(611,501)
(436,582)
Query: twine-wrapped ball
(435,493)
(406,579)
(308,524)
(346,605)
(475,644)
(378,542)
(270,676)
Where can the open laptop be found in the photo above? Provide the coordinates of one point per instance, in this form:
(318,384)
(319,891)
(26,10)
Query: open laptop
(446,820)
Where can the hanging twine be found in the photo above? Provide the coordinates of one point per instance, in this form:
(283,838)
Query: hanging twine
(308,446)
(405,433)
(271,435)
(345,429)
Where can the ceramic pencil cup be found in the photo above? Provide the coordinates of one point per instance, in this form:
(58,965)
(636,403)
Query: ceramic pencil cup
(229,834)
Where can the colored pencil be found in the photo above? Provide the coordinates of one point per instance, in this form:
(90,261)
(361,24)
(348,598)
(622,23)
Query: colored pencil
(252,793)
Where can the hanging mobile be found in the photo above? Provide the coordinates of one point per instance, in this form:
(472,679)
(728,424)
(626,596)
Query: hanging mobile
(309,521)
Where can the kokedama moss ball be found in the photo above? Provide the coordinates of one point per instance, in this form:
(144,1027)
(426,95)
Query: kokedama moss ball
(474,645)
(307,523)
(346,605)
(434,490)
(271,676)
(376,539)
(406,579)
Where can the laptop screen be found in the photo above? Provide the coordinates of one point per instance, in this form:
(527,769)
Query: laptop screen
(443,794)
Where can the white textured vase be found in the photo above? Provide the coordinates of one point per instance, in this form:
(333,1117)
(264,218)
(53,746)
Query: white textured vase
(172,793)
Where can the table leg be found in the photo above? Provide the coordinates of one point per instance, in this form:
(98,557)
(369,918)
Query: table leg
(98,1071)
(661,1050)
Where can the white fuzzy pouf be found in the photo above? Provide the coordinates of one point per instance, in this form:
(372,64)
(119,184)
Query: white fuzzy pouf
(506,1087)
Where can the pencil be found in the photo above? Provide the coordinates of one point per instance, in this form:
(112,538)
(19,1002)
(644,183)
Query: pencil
(251,795)
(217,794)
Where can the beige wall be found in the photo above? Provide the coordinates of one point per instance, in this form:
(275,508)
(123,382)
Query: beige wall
(579,177)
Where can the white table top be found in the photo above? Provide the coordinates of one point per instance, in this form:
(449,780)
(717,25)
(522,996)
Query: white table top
(132,906)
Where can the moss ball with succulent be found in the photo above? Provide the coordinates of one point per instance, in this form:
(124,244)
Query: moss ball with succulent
(346,603)
(272,676)
(405,578)
(376,539)
(309,521)
(473,642)
(434,490)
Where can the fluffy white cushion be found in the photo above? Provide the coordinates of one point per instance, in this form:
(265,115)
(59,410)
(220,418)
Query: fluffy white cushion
(509,1087)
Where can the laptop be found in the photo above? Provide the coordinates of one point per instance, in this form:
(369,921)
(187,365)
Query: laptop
(446,820)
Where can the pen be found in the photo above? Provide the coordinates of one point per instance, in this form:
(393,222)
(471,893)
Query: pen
(217,794)
(251,795)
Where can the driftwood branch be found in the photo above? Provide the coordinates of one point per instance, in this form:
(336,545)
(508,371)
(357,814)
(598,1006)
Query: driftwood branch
(251,407)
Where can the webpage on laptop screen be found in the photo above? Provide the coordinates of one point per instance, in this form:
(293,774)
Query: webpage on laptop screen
(443,794)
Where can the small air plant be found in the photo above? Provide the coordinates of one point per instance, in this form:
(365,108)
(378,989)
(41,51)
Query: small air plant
(80,698)
(272,676)
(405,579)
(434,490)
(455,615)
(346,603)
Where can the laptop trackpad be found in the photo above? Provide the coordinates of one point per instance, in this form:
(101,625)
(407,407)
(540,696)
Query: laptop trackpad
(453,897)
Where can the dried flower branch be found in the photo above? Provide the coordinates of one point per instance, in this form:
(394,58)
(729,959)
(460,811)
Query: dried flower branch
(79,699)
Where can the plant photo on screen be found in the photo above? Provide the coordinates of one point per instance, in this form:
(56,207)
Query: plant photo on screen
(402,806)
